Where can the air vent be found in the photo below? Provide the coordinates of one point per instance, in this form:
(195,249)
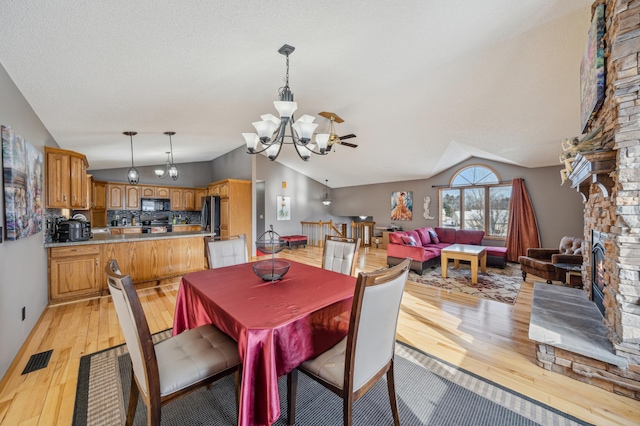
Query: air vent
(38,361)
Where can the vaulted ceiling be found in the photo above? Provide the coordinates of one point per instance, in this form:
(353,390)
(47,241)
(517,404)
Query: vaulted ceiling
(423,84)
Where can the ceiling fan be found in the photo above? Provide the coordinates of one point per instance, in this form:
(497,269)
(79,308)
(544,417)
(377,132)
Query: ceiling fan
(333,137)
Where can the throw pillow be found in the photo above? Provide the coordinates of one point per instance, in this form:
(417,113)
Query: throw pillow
(434,236)
(408,240)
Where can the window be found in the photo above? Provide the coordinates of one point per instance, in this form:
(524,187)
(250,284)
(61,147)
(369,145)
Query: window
(475,199)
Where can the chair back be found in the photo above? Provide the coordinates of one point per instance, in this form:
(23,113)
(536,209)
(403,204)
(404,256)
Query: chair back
(373,323)
(134,327)
(226,251)
(339,254)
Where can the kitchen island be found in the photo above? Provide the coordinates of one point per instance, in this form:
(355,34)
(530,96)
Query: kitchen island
(76,269)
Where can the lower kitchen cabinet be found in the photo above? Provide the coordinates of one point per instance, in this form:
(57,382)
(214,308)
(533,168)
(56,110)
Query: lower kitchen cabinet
(74,272)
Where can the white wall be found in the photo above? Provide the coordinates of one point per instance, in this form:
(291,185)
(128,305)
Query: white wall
(23,263)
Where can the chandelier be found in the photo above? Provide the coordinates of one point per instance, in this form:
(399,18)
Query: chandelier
(132,175)
(171,169)
(272,132)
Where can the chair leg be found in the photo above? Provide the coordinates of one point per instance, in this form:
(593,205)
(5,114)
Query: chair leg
(134,393)
(292,393)
(391,385)
(238,383)
(347,408)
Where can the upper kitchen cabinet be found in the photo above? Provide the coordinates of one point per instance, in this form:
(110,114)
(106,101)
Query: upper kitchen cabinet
(189,199)
(162,192)
(200,193)
(115,196)
(66,179)
(148,191)
(99,195)
(132,197)
(177,201)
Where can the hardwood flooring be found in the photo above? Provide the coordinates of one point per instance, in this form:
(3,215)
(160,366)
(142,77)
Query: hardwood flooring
(487,338)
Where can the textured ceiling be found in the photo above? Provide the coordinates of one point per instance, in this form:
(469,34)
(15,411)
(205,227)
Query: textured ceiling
(423,84)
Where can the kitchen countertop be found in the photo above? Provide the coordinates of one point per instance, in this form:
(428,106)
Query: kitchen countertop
(123,238)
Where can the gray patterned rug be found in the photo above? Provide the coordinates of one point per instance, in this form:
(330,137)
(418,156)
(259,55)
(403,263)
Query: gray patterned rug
(501,285)
(430,392)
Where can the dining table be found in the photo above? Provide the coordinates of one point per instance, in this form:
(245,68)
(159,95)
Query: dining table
(277,325)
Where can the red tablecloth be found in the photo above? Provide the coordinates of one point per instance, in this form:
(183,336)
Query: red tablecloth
(277,326)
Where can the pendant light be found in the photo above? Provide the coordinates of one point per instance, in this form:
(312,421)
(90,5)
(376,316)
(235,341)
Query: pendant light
(132,175)
(171,170)
(326,201)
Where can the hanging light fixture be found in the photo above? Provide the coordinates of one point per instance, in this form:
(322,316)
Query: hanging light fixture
(326,201)
(272,132)
(171,170)
(132,175)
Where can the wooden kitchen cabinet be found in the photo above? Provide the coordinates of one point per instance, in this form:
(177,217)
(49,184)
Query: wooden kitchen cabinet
(115,196)
(66,179)
(78,182)
(119,230)
(99,195)
(177,202)
(132,197)
(188,199)
(162,192)
(200,193)
(185,228)
(148,191)
(235,207)
(74,272)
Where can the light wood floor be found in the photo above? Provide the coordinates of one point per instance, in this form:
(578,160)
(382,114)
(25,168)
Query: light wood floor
(485,337)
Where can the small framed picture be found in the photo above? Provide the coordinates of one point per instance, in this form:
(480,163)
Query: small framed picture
(283,204)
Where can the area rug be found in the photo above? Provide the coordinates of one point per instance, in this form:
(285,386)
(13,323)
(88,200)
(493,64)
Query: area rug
(430,392)
(501,285)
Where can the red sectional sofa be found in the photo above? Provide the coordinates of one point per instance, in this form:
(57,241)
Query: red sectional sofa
(423,246)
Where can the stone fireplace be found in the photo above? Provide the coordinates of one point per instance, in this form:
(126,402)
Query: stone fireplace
(609,181)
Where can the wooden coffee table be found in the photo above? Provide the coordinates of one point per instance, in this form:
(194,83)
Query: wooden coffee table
(458,252)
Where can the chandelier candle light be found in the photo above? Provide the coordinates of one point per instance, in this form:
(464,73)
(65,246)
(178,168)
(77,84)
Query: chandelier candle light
(272,132)
(132,175)
(171,170)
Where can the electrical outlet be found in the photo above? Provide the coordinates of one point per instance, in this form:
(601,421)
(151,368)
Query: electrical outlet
(24,313)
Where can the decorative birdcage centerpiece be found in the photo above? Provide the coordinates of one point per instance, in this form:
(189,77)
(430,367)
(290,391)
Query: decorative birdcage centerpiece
(271,270)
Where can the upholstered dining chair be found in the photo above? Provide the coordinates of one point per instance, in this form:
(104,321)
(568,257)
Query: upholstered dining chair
(226,251)
(340,254)
(357,362)
(172,368)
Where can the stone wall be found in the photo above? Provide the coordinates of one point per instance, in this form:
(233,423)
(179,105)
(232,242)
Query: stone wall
(618,213)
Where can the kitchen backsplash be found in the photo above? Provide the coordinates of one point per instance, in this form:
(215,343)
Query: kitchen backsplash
(188,216)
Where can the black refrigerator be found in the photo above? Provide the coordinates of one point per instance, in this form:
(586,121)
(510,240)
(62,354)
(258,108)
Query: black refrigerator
(211,214)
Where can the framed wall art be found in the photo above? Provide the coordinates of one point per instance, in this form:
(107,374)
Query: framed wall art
(283,204)
(402,205)
(592,71)
(22,170)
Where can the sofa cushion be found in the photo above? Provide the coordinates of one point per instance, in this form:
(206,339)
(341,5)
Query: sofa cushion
(425,238)
(446,235)
(409,240)
(496,251)
(415,236)
(468,236)
(396,237)
(414,253)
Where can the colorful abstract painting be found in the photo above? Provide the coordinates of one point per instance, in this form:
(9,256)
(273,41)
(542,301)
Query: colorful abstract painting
(592,79)
(402,205)
(22,170)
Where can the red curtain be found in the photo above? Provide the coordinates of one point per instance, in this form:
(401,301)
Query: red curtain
(522,232)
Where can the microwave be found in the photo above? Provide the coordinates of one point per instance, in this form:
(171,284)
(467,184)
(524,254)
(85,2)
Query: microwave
(155,205)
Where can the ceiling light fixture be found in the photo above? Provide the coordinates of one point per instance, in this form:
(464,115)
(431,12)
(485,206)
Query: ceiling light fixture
(272,132)
(171,170)
(132,175)
(326,201)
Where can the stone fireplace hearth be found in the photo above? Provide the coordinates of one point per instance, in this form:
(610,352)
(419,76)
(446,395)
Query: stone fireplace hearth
(609,181)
